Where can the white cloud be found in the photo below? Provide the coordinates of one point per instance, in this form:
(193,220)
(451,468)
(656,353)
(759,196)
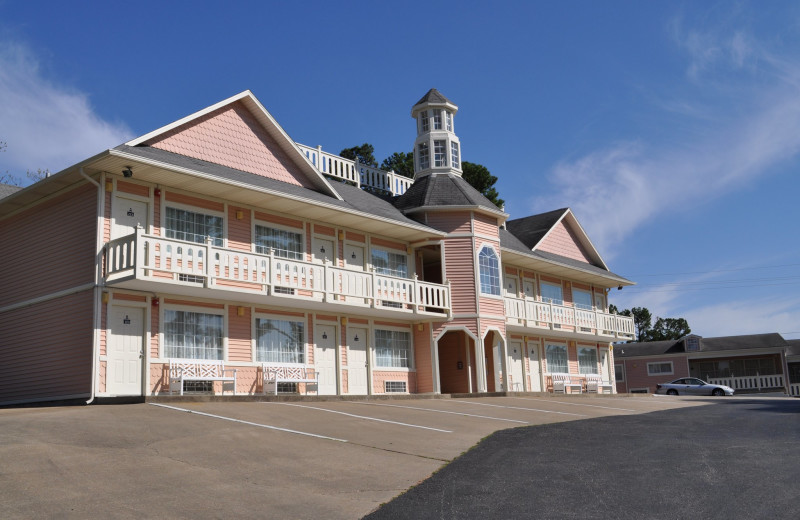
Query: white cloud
(715,149)
(46,125)
(732,318)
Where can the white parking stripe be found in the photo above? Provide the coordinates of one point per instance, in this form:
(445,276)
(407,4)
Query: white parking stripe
(573,404)
(445,411)
(364,417)
(248,422)
(516,408)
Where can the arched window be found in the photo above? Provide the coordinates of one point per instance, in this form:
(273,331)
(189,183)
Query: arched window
(489,271)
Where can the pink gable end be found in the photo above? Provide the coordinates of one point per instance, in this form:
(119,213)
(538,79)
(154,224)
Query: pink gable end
(562,241)
(232,137)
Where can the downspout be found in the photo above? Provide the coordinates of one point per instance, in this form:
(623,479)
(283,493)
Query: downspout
(97,279)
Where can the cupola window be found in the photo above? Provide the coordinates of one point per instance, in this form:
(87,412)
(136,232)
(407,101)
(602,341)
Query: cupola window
(423,117)
(437,119)
(454,160)
(439,153)
(449,119)
(424,157)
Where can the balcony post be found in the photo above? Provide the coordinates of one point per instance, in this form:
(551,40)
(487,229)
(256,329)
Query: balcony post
(374,282)
(137,255)
(416,298)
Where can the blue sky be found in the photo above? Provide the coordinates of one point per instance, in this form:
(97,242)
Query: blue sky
(672,129)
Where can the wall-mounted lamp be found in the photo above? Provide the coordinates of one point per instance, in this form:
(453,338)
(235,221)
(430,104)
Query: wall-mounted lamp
(343,320)
(157,192)
(109,186)
(420,327)
(619,288)
(240,311)
(239,214)
(104,298)
(341,235)
(127,172)
(154,302)
(409,250)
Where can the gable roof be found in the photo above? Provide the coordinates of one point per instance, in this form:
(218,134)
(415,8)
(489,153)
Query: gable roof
(718,344)
(794,347)
(440,191)
(8,189)
(266,122)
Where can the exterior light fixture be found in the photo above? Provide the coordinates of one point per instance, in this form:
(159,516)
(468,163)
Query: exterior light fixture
(127,172)
(239,214)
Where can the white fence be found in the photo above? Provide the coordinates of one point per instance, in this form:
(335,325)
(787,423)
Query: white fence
(756,382)
(151,257)
(355,172)
(794,389)
(538,314)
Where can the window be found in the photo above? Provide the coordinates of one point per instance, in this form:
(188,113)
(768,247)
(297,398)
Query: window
(619,373)
(454,160)
(552,294)
(391,264)
(391,348)
(280,341)
(692,344)
(489,271)
(449,118)
(439,153)
(587,360)
(285,244)
(424,157)
(556,356)
(423,117)
(659,369)
(192,335)
(437,120)
(582,299)
(193,227)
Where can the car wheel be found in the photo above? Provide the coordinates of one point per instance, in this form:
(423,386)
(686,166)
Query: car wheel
(718,392)
(672,392)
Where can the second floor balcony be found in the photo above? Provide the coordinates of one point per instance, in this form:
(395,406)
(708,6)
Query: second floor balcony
(566,320)
(153,263)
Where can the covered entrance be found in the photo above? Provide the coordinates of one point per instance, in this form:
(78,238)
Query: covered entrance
(457,360)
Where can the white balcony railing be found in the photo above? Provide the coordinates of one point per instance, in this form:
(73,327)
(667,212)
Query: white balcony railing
(543,315)
(794,389)
(756,383)
(149,257)
(355,172)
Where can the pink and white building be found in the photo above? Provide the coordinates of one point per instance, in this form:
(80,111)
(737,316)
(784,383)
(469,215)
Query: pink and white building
(218,237)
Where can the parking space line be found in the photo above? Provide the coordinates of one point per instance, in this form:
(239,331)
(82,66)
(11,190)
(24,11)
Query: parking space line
(249,423)
(364,417)
(518,408)
(445,411)
(574,404)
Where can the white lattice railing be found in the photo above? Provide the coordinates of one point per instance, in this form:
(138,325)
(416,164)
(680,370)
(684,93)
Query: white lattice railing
(149,257)
(355,172)
(543,315)
(794,389)
(756,382)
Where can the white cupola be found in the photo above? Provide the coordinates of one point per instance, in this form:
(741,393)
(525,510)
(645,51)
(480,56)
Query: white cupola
(437,149)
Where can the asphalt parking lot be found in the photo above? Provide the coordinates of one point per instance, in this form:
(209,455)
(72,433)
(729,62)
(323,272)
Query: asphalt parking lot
(303,459)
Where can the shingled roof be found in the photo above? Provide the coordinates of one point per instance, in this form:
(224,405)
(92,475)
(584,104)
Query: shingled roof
(442,191)
(723,343)
(433,96)
(531,230)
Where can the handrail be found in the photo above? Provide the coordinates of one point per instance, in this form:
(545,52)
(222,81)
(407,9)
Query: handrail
(539,314)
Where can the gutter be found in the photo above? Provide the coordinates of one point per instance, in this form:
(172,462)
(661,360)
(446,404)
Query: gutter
(97,279)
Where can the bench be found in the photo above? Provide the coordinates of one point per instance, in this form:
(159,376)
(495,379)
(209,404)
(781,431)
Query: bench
(275,373)
(563,381)
(181,370)
(595,385)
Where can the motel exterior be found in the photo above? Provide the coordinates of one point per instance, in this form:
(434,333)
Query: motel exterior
(218,238)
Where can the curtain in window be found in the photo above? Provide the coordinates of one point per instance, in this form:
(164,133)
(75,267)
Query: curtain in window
(557,359)
(587,360)
(193,227)
(391,348)
(280,341)
(192,335)
(285,244)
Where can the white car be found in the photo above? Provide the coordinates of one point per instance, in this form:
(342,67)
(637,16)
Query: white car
(692,386)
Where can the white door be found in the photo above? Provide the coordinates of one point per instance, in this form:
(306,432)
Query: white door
(354,257)
(511,286)
(605,368)
(529,289)
(325,358)
(357,361)
(497,352)
(535,372)
(599,302)
(125,351)
(324,251)
(126,215)
(517,374)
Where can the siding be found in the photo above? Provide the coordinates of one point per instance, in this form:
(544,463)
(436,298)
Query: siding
(460,271)
(486,225)
(636,372)
(51,361)
(455,222)
(422,358)
(233,137)
(562,241)
(239,332)
(49,247)
(197,202)
(239,230)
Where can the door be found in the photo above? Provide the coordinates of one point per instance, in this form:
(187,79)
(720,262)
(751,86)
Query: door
(354,257)
(357,361)
(605,368)
(511,286)
(126,215)
(517,373)
(325,358)
(535,373)
(599,302)
(529,289)
(324,251)
(125,351)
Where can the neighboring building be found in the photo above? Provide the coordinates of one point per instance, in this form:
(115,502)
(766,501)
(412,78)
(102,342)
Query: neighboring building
(8,189)
(793,362)
(218,237)
(752,363)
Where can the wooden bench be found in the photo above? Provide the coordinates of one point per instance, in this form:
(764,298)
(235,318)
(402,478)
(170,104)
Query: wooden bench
(274,373)
(595,385)
(563,381)
(181,370)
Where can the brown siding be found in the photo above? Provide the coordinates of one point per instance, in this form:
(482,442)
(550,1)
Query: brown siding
(239,331)
(460,271)
(456,222)
(180,198)
(422,358)
(380,242)
(239,230)
(283,221)
(47,349)
(486,225)
(133,189)
(49,247)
